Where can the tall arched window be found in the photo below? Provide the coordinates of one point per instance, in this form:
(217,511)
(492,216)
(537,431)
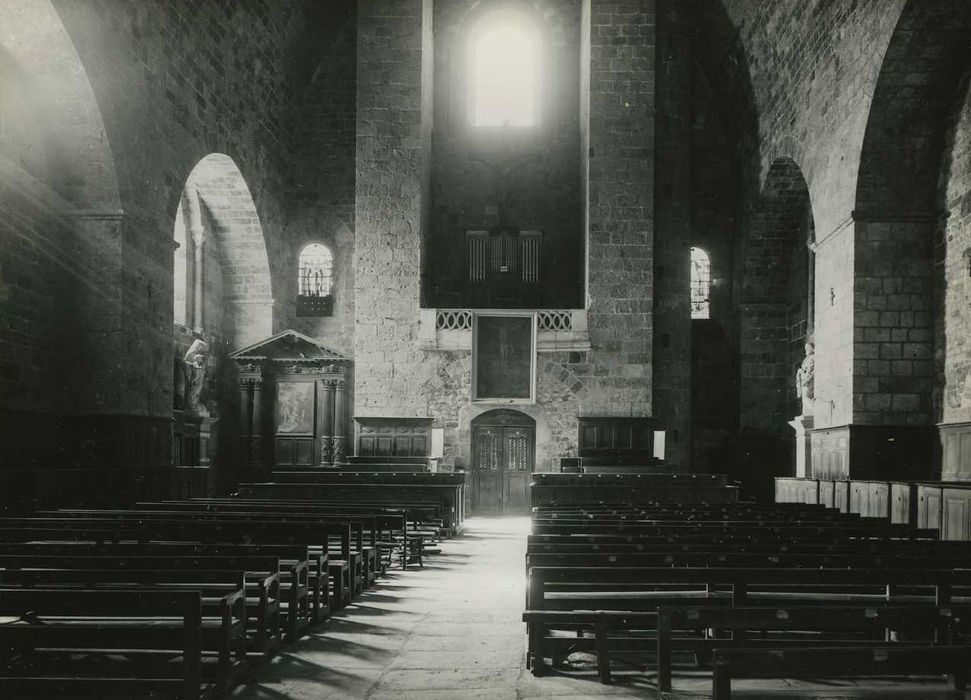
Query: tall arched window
(504,70)
(315,281)
(700,283)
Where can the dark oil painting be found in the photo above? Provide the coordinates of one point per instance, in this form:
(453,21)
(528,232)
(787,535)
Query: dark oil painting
(504,357)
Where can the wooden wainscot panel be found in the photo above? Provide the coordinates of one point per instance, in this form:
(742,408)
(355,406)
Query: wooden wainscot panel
(956,513)
(622,437)
(871,499)
(841,496)
(929,506)
(955,451)
(879,499)
(790,489)
(903,503)
(858,497)
(826,495)
(393,437)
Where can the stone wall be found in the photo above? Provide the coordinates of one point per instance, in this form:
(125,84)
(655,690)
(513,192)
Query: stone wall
(167,84)
(475,169)
(620,209)
(321,187)
(715,206)
(671,380)
(952,271)
(811,92)
(395,377)
(955,317)
(392,105)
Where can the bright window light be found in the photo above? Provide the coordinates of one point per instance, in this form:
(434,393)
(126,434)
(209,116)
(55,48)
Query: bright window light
(504,71)
(700,283)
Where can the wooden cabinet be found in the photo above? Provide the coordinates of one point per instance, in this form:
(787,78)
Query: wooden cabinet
(393,437)
(621,437)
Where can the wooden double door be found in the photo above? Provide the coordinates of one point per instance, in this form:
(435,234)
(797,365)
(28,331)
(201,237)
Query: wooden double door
(503,458)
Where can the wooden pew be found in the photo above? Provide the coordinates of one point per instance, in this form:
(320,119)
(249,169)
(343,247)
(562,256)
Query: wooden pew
(355,554)
(145,623)
(857,625)
(260,575)
(559,596)
(392,488)
(594,543)
(303,575)
(721,557)
(393,534)
(828,662)
(422,516)
(563,489)
(380,528)
(737,530)
(315,535)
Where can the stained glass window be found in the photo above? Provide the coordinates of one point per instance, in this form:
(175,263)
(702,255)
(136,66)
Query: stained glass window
(315,282)
(700,283)
(316,271)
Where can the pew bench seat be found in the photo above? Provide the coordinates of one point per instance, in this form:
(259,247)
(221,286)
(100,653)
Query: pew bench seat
(839,662)
(122,635)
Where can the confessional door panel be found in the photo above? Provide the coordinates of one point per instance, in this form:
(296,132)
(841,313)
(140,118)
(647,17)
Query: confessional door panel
(502,462)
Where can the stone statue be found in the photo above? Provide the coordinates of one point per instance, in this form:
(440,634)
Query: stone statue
(806,380)
(194,369)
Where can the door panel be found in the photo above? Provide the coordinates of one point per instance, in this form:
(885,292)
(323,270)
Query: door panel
(488,475)
(503,460)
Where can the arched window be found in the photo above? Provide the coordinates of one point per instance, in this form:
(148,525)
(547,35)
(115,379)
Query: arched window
(700,283)
(504,70)
(180,282)
(315,281)
(189,270)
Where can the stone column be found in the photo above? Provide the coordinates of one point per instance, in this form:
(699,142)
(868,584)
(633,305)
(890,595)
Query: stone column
(340,427)
(256,426)
(617,142)
(804,460)
(394,80)
(327,422)
(672,230)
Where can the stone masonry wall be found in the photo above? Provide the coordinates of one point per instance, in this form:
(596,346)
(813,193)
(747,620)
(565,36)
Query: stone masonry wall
(620,210)
(176,82)
(321,188)
(392,103)
(813,66)
(397,378)
(673,236)
(955,317)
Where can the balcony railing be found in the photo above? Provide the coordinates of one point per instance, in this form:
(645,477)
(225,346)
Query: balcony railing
(558,329)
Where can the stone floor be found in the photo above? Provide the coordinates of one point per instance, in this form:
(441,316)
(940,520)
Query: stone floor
(453,630)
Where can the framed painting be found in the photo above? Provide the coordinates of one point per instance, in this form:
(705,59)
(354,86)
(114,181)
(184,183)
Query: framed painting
(504,357)
(295,408)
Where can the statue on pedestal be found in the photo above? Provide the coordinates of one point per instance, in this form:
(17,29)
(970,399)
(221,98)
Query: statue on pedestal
(194,369)
(806,380)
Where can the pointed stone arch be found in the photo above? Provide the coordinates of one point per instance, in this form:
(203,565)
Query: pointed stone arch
(217,202)
(775,316)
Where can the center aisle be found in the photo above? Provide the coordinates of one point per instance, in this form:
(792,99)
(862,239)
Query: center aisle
(450,630)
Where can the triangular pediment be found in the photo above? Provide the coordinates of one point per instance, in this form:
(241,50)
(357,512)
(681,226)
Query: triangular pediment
(289,346)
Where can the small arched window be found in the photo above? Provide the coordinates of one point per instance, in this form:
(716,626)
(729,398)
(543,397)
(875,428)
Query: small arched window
(504,70)
(700,283)
(315,281)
